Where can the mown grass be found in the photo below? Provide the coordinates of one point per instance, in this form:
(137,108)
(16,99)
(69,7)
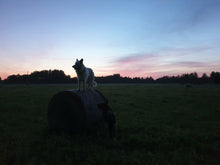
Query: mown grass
(156,124)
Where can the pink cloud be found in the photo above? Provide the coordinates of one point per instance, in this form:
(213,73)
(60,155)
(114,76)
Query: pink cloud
(189,64)
(134,58)
(169,61)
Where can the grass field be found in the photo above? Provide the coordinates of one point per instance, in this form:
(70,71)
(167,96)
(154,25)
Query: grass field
(156,125)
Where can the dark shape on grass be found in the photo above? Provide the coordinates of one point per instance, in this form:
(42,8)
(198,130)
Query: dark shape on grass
(188,85)
(80,112)
(109,117)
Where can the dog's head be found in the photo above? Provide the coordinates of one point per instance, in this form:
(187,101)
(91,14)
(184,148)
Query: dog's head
(78,64)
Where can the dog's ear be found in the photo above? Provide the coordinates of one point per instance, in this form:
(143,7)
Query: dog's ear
(77,60)
(81,60)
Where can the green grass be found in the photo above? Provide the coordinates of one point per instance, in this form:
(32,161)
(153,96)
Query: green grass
(156,124)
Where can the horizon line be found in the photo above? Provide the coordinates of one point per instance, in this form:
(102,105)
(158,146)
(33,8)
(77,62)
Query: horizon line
(157,77)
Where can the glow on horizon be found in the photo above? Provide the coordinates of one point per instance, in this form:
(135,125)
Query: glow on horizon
(132,38)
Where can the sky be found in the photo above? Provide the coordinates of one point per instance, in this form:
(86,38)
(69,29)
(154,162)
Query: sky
(135,38)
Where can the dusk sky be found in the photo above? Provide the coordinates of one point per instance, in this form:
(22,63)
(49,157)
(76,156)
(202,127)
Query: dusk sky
(131,37)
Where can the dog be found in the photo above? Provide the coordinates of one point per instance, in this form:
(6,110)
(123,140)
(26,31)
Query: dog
(84,75)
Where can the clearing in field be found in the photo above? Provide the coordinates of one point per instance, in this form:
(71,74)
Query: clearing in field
(156,124)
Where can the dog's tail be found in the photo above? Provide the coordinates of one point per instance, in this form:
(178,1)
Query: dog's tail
(94,84)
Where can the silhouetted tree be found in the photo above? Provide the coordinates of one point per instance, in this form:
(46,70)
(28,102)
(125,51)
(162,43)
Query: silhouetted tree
(45,76)
(204,76)
(149,80)
(205,79)
(12,79)
(215,76)
(188,78)
(58,76)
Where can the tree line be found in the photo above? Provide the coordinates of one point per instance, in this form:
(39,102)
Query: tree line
(58,76)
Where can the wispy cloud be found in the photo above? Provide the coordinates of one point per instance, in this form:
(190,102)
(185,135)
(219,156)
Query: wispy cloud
(189,64)
(134,58)
(165,61)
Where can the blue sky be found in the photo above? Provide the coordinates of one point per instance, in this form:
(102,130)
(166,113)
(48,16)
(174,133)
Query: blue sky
(134,38)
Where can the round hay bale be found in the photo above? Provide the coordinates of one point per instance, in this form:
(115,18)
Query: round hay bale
(76,111)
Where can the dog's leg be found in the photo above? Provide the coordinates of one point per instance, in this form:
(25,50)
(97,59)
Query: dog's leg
(79,85)
(88,85)
(84,84)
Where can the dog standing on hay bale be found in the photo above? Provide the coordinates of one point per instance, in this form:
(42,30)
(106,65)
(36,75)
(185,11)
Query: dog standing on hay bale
(84,75)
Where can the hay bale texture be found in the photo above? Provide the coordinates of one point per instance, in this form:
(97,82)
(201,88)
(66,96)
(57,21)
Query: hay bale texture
(76,111)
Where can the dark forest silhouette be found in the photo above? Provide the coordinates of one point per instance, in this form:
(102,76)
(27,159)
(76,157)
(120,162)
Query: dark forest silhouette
(58,76)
